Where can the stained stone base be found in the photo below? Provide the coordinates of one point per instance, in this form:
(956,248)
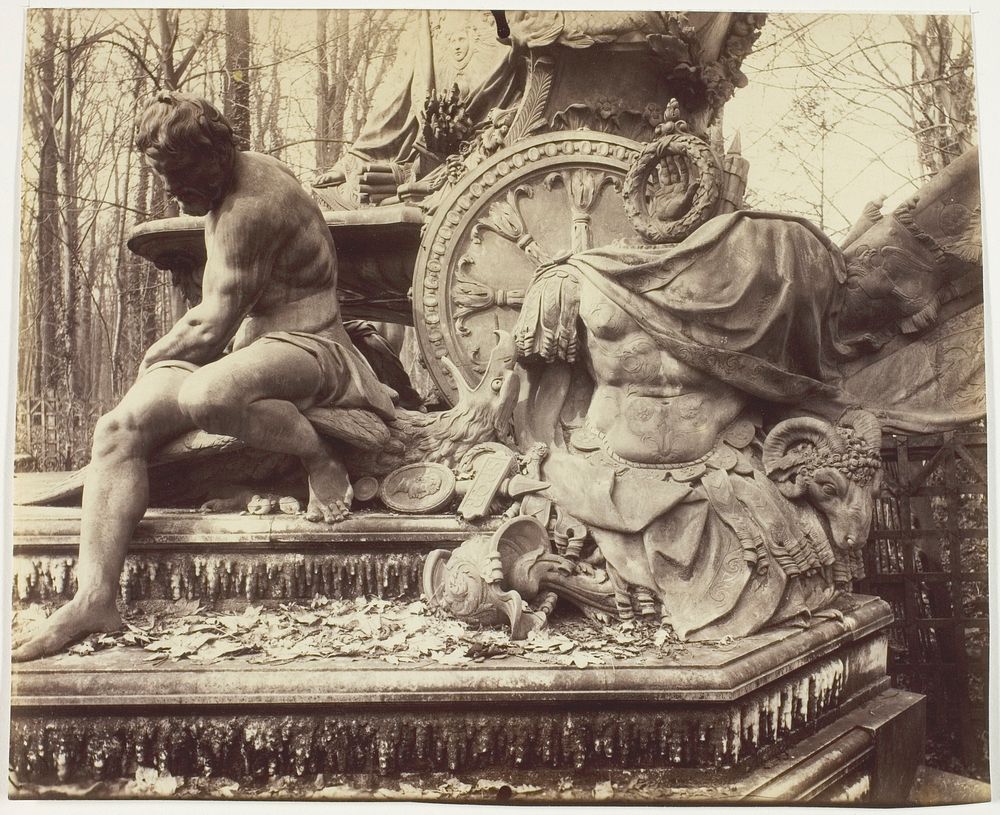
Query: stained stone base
(848,761)
(188,555)
(794,713)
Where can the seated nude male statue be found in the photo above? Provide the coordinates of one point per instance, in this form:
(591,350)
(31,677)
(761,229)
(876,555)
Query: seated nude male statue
(269,293)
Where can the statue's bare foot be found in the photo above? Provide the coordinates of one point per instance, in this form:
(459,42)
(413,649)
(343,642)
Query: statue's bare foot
(72,622)
(330,492)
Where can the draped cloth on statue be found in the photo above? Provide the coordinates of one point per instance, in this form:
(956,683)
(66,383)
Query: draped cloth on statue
(755,300)
(718,552)
(440,50)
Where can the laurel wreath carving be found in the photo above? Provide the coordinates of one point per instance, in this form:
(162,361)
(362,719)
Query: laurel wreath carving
(701,161)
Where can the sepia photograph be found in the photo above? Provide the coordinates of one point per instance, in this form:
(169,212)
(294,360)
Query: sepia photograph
(454,405)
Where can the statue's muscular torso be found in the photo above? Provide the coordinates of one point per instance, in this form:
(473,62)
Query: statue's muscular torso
(651,407)
(274,222)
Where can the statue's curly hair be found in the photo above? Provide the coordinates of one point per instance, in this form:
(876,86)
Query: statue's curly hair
(178,123)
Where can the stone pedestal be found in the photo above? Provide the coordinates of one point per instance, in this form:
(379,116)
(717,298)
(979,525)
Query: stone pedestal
(796,713)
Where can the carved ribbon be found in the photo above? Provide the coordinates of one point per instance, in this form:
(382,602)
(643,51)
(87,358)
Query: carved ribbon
(470,297)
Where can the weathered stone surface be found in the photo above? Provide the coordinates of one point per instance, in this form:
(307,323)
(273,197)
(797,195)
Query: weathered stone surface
(375,255)
(540,200)
(817,769)
(868,756)
(700,707)
(177,554)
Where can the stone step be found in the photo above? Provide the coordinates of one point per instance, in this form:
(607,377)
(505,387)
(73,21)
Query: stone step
(695,707)
(844,762)
(184,554)
(797,709)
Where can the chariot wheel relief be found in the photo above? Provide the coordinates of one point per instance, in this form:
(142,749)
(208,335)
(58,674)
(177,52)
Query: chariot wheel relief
(530,204)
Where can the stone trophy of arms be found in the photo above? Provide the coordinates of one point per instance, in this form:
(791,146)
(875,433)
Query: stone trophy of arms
(699,395)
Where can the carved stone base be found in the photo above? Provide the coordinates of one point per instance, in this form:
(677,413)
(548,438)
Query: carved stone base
(711,717)
(178,554)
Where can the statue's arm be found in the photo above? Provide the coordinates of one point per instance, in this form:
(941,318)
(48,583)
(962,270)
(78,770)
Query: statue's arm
(238,268)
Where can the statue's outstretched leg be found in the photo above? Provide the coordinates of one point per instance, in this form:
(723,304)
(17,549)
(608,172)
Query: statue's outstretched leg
(115,495)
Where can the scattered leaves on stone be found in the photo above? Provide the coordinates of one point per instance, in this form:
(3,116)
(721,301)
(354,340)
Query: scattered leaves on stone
(603,790)
(396,632)
(638,786)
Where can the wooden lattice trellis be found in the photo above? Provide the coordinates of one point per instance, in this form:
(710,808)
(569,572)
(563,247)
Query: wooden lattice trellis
(55,431)
(927,557)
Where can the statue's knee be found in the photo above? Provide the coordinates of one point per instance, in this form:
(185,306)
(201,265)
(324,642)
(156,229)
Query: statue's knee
(207,406)
(117,433)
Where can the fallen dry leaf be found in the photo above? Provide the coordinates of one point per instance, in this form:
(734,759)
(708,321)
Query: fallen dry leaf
(603,790)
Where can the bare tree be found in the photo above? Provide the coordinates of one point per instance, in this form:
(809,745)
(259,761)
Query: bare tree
(350,45)
(43,113)
(933,101)
(941,91)
(88,306)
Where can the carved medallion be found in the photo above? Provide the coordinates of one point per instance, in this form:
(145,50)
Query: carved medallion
(418,488)
(530,204)
(739,434)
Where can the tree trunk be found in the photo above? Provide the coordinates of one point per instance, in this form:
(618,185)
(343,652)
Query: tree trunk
(49,289)
(70,213)
(84,343)
(322,91)
(237,99)
(168,31)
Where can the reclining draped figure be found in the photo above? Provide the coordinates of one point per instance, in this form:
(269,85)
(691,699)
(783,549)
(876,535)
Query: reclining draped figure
(710,400)
(652,370)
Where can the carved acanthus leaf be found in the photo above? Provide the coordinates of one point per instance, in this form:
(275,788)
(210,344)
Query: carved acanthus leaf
(504,218)
(583,187)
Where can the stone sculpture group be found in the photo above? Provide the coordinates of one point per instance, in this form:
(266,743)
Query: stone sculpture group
(675,405)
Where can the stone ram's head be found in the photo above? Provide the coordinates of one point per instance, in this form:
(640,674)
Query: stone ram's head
(837,469)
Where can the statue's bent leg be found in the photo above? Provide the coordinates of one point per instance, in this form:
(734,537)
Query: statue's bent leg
(257,394)
(115,494)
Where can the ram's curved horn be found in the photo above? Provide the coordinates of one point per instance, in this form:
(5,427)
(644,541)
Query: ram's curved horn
(790,432)
(787,434)
(866,425)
